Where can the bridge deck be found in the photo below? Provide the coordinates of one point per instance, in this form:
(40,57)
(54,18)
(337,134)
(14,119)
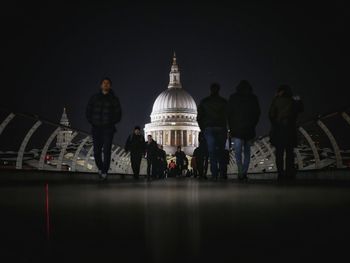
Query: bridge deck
(13,175)
(177,220)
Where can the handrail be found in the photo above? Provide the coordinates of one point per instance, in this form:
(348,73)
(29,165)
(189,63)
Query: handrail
(323,116)
(316,118)
(44,120)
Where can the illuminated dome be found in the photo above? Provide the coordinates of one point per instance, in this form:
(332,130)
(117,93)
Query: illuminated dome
(174,100)
(173,117)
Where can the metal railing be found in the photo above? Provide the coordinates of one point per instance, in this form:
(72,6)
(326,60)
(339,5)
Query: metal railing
(320,146)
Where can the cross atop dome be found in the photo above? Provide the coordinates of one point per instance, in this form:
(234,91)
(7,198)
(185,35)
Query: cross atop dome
(174,77)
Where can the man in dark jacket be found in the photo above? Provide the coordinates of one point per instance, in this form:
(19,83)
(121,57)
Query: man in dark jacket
(161,162)
(151,155)
(180,160)
(283,115)
(103,112)
(212,121)
(135,144)
(243,113)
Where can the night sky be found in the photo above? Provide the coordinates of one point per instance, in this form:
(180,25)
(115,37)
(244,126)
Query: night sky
(55,54)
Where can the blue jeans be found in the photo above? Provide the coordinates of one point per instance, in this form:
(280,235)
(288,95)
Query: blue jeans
(102,140)
(216,139)
(242,145)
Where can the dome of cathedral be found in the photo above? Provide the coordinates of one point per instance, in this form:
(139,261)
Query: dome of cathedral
(174,117)
(174,100)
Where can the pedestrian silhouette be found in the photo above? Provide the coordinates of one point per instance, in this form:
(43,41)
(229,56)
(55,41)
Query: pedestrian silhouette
(243,112)
(283,115)
(135,144)
(212,121)
(103,112)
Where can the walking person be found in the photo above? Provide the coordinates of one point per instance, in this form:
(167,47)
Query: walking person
(243,113)
(212,120)
(103,112)
(180,160)
(283,114)
(162,162)
(151,155)
(200,158)
(135,144)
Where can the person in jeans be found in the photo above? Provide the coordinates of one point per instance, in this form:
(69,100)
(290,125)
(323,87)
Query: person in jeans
(212,121)
(283,115)
(103,112)
(135,144)
(243,113)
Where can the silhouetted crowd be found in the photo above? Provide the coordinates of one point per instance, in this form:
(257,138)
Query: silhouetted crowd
(223,124)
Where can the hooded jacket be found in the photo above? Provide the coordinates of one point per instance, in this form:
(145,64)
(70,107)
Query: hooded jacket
(243,113)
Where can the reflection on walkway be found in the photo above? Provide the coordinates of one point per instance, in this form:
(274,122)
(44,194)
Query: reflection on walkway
(172,224)
(47,212)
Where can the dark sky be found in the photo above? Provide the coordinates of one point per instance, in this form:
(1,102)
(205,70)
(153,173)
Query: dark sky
(56,53)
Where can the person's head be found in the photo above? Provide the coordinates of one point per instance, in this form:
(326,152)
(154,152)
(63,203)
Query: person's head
(244,87)
(137,130)
(179,148)
(214,89)
(284,90)
(149,138)
(106,85)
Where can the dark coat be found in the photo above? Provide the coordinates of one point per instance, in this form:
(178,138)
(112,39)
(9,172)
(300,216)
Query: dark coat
(180,157)
(201,153)
(162,159)
(212,112)
(103,110)
(283,115)
(135,144)
(161,155)
(151,150)
(243,112)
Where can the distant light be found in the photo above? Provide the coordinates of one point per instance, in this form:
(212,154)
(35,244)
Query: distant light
(173,123)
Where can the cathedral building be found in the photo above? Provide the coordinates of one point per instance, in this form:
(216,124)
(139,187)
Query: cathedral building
(64,135)
(173,118)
